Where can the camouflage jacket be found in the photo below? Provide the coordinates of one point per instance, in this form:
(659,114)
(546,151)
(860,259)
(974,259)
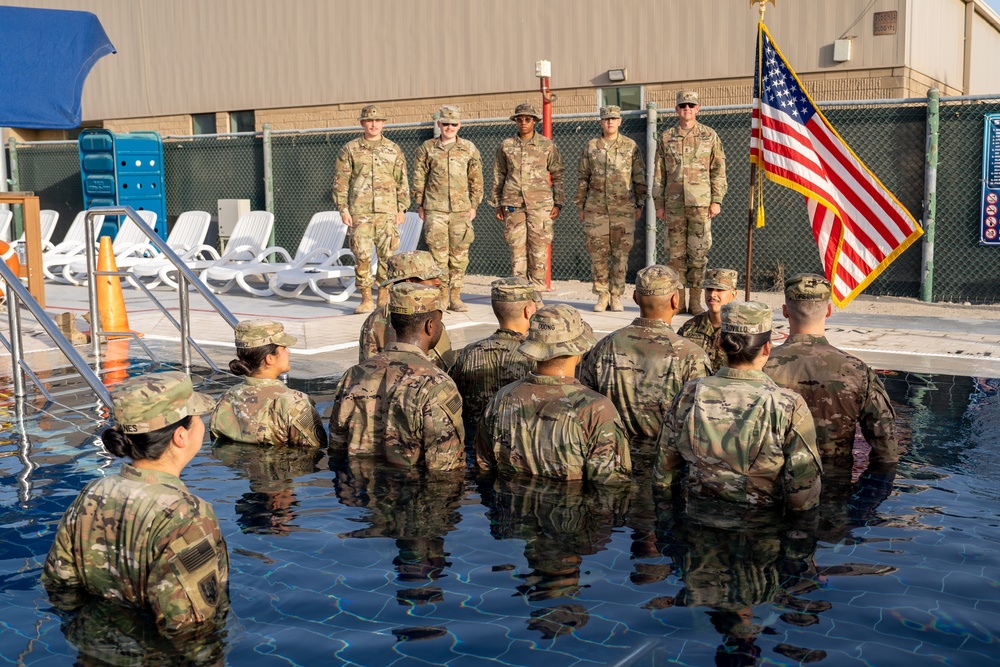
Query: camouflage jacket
(268,413)
(641,368)
(743,439)
(370,177)
(553,427)
(377,333)
(142,539)
(521,174)
(482,368)
(400,405)
(841,392)
(448,178)
(690,167)
(611,177)
(700,330)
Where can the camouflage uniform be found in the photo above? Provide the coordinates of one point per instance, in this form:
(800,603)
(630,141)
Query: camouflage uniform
(377,331)
(370,184)
(267,412)
(554,426)
(742,438)
(611,185)
(700,330)
(641,367)
(521,187)
(398,404)
(140,538)
(448,183)
(690,176)
(841,390)
(482,368)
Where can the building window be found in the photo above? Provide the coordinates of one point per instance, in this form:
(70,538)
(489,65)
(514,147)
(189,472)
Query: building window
(629,98)
(241,121)
(203,123)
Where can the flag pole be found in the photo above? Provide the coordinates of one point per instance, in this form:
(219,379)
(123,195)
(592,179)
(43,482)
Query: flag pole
(751,221)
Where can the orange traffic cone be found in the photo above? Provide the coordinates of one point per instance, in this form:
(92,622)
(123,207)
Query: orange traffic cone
(116,361)
(9,257)
(110,300)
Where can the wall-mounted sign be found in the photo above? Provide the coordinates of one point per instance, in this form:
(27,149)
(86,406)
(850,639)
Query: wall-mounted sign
(989,214)
(885,23)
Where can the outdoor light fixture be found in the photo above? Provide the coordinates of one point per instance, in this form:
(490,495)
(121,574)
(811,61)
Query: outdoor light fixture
(543,69)
(618,74)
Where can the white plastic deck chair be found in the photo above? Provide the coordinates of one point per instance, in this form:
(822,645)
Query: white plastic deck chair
(47,219)
(5,218)
(71,247)
(128,241)
(249,238)
(189,231)
(322,240)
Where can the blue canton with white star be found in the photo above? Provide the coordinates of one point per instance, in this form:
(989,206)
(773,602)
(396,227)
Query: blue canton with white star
(781,90)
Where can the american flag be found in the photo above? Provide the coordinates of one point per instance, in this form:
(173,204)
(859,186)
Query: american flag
(859,226)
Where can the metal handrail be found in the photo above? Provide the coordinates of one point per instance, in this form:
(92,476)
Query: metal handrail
(15,287)
(185,276)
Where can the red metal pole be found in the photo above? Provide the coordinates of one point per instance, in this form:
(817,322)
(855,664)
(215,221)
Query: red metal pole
(547,131)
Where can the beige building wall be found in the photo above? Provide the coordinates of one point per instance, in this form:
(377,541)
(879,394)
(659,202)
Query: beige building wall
(936,45)
(984,73)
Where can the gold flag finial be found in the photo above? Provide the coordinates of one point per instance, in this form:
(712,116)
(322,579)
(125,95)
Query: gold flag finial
(763,6)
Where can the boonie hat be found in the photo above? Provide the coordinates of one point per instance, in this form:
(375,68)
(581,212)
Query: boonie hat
(513,290)
(525,109)
(720,279)
(749,317)
(149,402)
(372,112)
(807,287)
(450,115)
(418,264)
(657,280)
(254,333)
(414,298)
(611,111)
(687,97)
(557,331)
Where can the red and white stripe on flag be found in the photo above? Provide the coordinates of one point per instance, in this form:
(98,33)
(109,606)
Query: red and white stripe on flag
(859,226)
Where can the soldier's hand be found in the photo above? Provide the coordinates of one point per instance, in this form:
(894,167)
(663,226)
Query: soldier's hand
(554,213)
(638,213)
(500,213)
(714,210)
(472,214)
(660,213)
(400,217)
(348,220)
(581,216)
(420,212)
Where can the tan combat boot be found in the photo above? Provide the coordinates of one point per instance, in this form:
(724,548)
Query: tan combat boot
(602,303)
(682,301)
(367,305)
(456,301)
(696,302)
(616,304)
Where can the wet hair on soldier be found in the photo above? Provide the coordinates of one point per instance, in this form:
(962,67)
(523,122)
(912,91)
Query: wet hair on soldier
(408,325)
(742,348)
(509,311)
(142,446)
(807,312)
(250,359)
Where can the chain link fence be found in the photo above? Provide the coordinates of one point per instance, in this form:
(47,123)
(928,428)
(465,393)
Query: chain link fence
(890,137)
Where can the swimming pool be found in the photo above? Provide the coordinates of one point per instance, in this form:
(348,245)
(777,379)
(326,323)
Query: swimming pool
(340,563)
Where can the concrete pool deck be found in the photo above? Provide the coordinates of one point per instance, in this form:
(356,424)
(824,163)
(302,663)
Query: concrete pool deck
(887,332)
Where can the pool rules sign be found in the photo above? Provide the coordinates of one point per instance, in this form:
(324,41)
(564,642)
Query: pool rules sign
(989,227)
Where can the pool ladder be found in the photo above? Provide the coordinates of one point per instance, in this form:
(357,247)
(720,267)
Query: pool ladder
(17,294)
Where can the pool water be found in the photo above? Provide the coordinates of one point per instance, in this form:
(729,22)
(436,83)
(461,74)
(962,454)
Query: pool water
(339,562)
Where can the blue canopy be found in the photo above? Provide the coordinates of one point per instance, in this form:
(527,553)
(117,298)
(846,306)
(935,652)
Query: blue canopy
(45,56)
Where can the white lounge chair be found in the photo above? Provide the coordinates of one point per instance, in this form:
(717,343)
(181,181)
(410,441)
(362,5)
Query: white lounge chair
(5,218)
(322,239)
(189,231)
(130,241)
(249,238)
(70,248)
(47,219)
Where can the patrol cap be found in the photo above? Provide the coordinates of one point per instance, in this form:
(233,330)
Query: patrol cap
(372,112)
(450,115)
(414,298)
(611,111)
(746,317)
(807,287)
(720,279)
(149,402)
(557,331)
(513,290)
(254,333)
(687,97)
(416,264)
(525,109)
(657,280)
